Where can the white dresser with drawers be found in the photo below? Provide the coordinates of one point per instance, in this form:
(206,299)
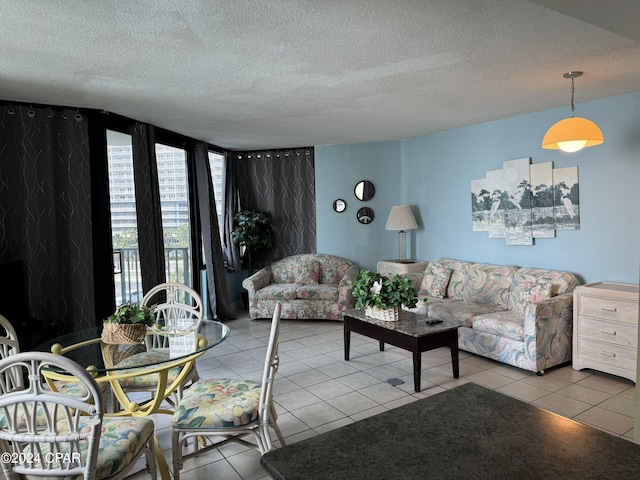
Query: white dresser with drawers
(605,328)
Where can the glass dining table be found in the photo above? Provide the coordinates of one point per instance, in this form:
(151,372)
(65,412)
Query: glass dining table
(161,352)
(111,363)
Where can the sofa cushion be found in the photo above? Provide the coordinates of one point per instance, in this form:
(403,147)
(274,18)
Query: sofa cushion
(278,291)
(309,274)
(507,324)
(435,281)
(332,269)
(318,292)
(489,284)
(297,269)
(458,276)
(524,293)
(460,311)
(562,282)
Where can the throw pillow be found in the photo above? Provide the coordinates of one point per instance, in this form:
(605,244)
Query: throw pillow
(435,281)
(308,273)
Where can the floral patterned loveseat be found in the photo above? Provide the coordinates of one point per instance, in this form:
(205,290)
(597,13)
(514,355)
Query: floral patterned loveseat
(309,286)
(519,316)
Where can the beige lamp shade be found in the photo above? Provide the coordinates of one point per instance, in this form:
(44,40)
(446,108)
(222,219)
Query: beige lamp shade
(572,134)
(401,218)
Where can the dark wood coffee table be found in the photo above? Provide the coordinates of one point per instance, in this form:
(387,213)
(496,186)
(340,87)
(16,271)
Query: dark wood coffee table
(411,332)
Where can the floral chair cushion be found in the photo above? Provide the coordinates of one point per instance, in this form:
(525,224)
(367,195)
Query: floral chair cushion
(21,415)
(75,389)
(121,439)
(147,358)
(435,281)
(218,403)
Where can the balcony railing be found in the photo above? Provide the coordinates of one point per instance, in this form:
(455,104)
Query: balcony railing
(127,276)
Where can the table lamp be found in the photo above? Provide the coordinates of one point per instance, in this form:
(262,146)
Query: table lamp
(401,218)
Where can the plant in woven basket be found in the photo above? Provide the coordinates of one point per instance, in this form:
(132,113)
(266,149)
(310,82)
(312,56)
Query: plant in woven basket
(372,289)
(133,313)
(128,325)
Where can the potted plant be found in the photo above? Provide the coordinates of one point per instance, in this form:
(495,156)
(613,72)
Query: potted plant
(381,296)
(128,324)
(253,231)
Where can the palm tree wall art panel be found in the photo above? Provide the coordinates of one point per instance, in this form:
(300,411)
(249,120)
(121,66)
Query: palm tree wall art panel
(524,201)
(542,200)
(517,208)
(480,205)
(566,198)
(497,187)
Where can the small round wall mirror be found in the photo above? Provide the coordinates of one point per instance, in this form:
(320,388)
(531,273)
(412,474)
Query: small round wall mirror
(365,215)
(365,190)
(339,205)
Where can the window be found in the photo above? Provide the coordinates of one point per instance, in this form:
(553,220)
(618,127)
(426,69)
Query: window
(174,204)
(124,226)
(217,166)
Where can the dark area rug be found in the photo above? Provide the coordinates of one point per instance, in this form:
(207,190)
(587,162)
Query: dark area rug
(468,432)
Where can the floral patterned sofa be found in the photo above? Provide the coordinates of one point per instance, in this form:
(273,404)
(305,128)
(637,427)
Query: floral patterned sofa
(519,316)
(309,286)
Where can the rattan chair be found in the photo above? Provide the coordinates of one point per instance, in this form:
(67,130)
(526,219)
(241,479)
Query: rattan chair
(54,434)
(177,307)
(9,345)
(229,408)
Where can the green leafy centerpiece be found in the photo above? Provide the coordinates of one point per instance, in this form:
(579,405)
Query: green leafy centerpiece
(128,325)
(381,297)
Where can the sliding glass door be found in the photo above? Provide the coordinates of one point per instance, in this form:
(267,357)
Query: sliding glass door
(174,201)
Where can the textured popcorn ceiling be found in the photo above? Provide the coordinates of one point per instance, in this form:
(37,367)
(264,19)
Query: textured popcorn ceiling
(248,74)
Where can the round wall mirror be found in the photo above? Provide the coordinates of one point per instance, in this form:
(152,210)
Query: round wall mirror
(339,205)
(365,190)
(365,215)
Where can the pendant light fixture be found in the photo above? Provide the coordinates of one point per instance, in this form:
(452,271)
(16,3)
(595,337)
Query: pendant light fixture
(573,133)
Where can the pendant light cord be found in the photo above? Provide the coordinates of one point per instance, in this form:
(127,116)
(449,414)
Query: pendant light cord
(572,90)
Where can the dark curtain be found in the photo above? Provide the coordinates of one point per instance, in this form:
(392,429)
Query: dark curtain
(231,207)
(281,183)
(149,214)
(213,256)
(45,211)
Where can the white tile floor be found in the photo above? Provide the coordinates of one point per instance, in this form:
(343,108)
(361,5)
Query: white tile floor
(316,390)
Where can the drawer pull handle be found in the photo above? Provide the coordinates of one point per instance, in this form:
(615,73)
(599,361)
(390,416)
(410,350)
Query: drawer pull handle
(608,354)
(607,308)
(608,332)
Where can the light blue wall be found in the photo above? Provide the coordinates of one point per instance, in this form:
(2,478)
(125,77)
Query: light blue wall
(338,169)
(433,173)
